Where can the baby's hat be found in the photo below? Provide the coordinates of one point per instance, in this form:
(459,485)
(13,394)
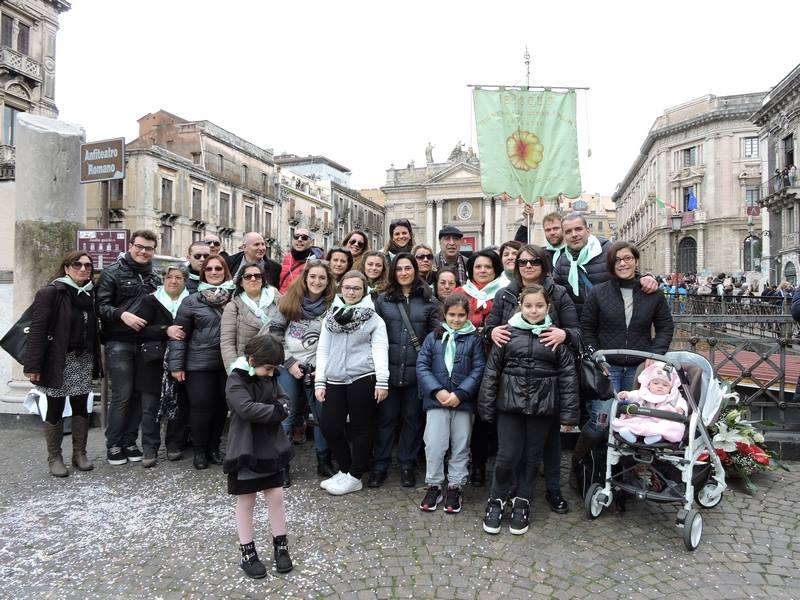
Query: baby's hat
(659,371)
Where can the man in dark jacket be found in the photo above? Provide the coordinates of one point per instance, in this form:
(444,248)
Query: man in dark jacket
(120,290)
(450,252)
(254,249)
(197,255)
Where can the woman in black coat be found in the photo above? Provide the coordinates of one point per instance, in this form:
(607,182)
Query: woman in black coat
(197,359)
(62,356)
(403,407)
(159,309)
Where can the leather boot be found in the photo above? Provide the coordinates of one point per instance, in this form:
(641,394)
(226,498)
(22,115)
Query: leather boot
(583,446)
(287,477)
(53,434)
(324,465)
(80,434)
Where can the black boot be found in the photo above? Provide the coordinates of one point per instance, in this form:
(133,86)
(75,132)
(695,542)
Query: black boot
(53,434)
(283,562)
(324,465)
(287,477)
(583,446)
(477,476)
(250,564)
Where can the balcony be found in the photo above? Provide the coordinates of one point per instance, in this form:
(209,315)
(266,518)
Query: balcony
(20,63)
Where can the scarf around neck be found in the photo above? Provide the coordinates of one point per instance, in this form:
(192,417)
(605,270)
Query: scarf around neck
(556,250)
(264,302)
(587,253)
(242,364)
(167,302)
(216,295)
(312,309)
(449,342)
(485,294)
(148,268)
(345,318)
(85,289)
(518,322)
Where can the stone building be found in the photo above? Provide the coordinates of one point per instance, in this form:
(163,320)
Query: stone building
(184,179)
(779,141)
(702,152)
(599,211)
(307,204)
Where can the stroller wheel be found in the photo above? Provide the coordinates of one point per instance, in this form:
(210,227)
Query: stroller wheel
(706,497)
(595,501)
(692,529)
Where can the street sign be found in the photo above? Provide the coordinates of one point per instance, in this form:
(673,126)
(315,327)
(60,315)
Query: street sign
(753,211)
(103,245)
(103,160)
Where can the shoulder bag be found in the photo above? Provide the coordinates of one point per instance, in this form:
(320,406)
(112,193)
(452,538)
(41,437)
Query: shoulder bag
(407,324)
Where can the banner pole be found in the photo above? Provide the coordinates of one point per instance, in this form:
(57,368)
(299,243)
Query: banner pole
(529,229)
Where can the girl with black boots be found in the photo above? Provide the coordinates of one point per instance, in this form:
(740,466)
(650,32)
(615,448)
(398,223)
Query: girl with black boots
(258,449)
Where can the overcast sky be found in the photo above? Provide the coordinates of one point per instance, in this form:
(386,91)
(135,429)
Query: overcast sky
(370,85)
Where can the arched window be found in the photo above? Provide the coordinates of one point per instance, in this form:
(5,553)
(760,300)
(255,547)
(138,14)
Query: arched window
(790,273)
(752,253)
(687,255)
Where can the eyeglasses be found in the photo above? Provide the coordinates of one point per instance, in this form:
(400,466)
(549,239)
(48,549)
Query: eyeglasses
(354,242)
(214,243)
(141,248)
(301,236)
(352,289)
(529,262)
(424,257)
(251,276)
(624,259)
(80,266)
(215,269)
(200,256)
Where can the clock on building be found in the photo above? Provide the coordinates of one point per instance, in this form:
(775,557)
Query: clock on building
(465,211)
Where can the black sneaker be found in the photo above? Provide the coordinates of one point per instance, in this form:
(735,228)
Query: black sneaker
(520,516)
(116,456)
(283,562)
(252,566)
(133,453)
(432,498)
(494,514)
(452,503)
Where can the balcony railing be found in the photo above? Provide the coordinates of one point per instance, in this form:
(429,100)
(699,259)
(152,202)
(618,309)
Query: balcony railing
(22,64)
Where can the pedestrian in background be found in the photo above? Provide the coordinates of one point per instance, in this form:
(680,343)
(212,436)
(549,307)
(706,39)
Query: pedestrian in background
(401,238)
(375,268)
(424,255)
(340,262)
(356,242)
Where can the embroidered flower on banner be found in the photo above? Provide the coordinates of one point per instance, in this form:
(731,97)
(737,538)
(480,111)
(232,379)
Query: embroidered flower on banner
(525,151)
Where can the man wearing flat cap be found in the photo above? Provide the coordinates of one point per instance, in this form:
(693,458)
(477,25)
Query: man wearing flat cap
(449,252)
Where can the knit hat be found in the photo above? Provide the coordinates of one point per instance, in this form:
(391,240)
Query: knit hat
(450,230)
(659,371)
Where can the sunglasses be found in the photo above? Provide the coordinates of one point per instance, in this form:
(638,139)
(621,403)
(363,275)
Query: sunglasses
(200,256)
(424,257)
(530,262)
(251,276)
(215,269)
(358,243)
(301,236)
(80,266)
(141,248)
(212,242)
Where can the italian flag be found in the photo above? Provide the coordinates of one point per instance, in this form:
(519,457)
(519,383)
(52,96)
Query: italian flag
(661,204)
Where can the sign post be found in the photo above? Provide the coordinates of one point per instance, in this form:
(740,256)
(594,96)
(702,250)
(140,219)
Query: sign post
(103,161)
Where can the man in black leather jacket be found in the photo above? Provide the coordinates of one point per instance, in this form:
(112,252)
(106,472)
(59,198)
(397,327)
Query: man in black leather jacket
(120,290)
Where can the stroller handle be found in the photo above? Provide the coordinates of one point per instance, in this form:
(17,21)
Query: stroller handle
(599,357)
(635,409)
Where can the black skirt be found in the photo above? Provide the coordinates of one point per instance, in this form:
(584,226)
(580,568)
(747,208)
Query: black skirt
(239,487)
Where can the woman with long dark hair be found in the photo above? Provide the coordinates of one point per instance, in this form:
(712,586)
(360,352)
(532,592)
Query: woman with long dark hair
(401,238)
(63,356)
(357,243)
(340,261)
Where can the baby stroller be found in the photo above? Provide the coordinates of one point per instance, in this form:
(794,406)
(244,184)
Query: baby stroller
(666,472)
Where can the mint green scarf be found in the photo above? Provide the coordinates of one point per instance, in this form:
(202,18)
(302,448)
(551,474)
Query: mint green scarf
(519,322)
(243,364)
(81,290)
(556,250)
(587,253)
(225,285)
(449,342)
(486,293)
(260,309)
(167,302)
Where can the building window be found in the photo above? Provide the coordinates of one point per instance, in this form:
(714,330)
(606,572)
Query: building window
(7,34)
(248,218)
(166,239)
(115,193)
(689,156)
(750,149)
(264,183)
(220,163)
(197,204)
(244,175)
(789,221)
(10,124)
(267,224)
(224,209)
(689,193)
(23,38)
(790,273)
(196,158)
(751,197)
(166,195)
(788,150)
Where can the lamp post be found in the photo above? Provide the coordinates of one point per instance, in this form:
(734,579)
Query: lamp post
(676,220)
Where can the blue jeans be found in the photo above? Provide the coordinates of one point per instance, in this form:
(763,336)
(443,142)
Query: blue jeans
(125,404)
(623,380)
(299,394)
(403,409)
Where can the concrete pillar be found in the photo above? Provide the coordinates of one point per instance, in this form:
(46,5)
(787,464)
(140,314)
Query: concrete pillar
(50,207)
(498,222)
(488,236)
(701,249)
(430,231)
(439,223)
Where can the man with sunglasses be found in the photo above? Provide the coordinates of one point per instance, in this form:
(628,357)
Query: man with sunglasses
(450,252)
(198,253)
(302,249)
(214,244)
(120,291)
(254,249)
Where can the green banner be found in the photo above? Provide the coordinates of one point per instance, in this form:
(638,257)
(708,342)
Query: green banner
(528,143)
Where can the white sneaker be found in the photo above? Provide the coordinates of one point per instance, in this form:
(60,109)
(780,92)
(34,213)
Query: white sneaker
(326,482)
(345,485)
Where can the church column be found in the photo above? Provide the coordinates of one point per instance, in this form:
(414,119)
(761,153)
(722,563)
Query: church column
(487,222)
(701,248)
(430,232)
(439,224)
(498,221)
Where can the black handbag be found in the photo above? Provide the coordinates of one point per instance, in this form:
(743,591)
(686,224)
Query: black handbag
(152,351)
(16,339)
(595,382)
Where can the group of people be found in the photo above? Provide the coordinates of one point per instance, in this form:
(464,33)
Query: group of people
(438,355)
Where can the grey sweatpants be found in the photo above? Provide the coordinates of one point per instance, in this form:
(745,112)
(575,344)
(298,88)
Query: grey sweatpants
(447,428)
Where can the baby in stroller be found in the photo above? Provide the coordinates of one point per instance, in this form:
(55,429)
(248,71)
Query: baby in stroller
(659,390)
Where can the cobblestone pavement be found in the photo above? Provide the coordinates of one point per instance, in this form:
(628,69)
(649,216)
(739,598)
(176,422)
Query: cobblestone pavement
(168,532)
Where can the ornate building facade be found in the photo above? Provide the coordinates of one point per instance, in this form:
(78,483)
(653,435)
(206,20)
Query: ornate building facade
(701,160)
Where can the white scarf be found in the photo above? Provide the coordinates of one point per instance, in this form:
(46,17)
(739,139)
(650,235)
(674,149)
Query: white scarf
(587,253)
(167,302)
(260,309)
(486,293)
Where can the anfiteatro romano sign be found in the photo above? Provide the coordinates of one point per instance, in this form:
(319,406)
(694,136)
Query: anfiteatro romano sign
(104,160)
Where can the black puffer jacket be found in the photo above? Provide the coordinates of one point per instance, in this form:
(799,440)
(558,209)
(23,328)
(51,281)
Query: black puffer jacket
(603,322)
(199,350)
(425,315)
(120,289)
(596,273)
(524,377)
(562,310)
